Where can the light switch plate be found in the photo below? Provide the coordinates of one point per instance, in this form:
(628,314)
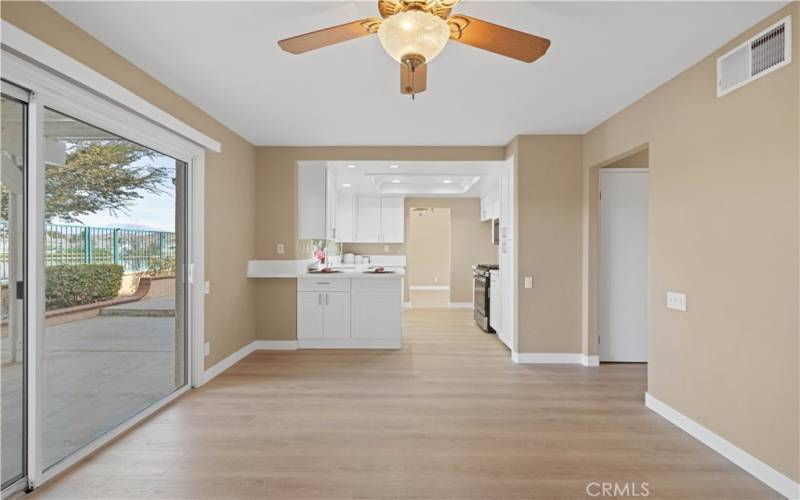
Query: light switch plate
(207,348)
(528,281)
(207,287)
(280,249)
(676,301)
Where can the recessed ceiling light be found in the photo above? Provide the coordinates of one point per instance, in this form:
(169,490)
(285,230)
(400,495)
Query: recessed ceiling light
(345,185)
(394,166)
(351,166)
(447,181)
(395,181)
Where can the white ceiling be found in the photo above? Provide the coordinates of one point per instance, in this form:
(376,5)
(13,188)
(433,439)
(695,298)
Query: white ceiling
(416,178)
(223,57)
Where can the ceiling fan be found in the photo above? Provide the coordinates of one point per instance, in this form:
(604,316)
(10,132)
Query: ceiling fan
(414,32)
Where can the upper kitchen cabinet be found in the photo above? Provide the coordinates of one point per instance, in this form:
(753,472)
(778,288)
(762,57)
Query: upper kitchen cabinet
(312,186)
(368,219)
(317,202)
(392,220)
(490,202)
(345,216)
(380,219)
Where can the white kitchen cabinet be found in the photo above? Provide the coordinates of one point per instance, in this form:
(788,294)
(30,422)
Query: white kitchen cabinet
(310,315)
(330,206)
(368,219)
(337,315)
(312,212)
(490,204)
(376,309)
(379,219)
(345,217)
(392,220)
(323,315)
(332,313)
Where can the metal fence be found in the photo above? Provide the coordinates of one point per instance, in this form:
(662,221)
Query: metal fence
(133,249)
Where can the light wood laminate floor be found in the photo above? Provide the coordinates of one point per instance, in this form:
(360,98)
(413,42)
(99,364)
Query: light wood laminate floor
(448,416)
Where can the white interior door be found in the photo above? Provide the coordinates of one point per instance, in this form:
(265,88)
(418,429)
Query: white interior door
(622,293)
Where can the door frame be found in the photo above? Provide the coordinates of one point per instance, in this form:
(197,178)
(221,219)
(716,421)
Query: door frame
(51,90)
(20,95)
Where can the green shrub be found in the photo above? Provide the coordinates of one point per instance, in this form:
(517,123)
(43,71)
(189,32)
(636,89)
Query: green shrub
(69,286)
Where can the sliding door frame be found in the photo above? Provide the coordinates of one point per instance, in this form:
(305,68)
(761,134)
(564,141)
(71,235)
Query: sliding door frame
(49,90)
(22,96)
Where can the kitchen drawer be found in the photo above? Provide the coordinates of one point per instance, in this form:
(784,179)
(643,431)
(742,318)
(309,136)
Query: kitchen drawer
(377,285)
(321,284)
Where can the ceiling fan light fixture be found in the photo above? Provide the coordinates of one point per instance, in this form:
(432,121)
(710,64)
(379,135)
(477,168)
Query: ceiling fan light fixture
(413,33)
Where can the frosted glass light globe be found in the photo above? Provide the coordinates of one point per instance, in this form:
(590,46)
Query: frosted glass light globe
(413,32)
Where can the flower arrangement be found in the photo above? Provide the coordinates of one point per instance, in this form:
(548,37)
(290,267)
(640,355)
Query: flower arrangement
(319,250)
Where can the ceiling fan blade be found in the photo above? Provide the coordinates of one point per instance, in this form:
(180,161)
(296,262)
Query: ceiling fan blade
(497,39)
(329,36)
(413,83)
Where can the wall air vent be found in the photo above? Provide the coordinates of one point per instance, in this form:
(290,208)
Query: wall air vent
(769,50)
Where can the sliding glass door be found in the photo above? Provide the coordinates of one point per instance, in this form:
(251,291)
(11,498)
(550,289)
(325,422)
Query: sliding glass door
(12,277)
(96,241)
(114,340)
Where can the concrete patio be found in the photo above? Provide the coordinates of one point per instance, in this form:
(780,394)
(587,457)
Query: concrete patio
(98,372)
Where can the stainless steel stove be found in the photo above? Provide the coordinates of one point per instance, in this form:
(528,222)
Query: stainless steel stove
(481,291)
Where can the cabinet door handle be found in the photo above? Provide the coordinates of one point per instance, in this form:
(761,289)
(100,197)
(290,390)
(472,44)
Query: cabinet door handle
(319,299)
(327,299)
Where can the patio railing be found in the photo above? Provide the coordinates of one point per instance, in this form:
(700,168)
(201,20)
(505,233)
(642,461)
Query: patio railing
(133,249)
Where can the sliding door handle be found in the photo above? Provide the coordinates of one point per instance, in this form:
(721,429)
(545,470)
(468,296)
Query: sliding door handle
(319,299)
(327,299)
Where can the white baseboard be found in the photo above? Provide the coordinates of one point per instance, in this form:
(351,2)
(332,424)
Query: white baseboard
(460,305)
(227,362)
(587,360)
(546,358)
(275,345)
(350,343)
(429,287)
(758,469)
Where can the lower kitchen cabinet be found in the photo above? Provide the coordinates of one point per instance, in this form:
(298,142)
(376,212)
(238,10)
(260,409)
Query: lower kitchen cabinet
(323,315)
(376,309)
(349,313)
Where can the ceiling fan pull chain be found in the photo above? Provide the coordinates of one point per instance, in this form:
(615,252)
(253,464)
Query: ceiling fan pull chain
(413,85)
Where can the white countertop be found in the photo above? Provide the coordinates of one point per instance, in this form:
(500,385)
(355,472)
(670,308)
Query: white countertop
(354,274)
(298,269)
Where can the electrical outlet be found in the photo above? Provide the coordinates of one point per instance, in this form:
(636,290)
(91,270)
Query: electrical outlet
(528,281)
(280,249)
(435,279)
(207,348)
(385,248)
(207,287)
(676,301)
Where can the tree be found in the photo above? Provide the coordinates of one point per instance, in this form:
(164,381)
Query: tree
(100,175)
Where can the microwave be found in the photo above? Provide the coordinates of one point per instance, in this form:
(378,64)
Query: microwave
(496,231)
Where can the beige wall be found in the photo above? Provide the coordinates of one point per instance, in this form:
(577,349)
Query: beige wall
(548,189)
(428,247)
(230,193)
(724,229)
(470,241)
